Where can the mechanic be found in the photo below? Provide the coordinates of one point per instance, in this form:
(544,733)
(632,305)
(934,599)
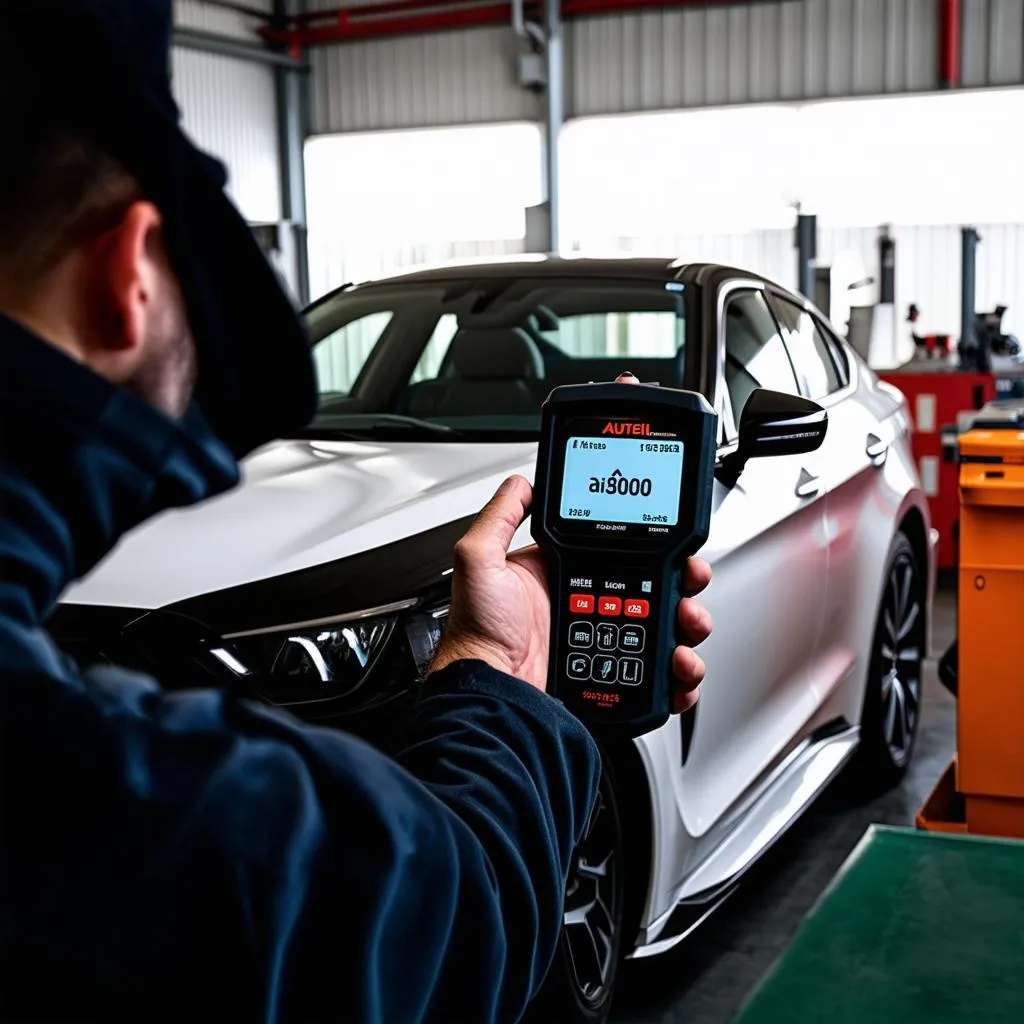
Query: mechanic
(192,856)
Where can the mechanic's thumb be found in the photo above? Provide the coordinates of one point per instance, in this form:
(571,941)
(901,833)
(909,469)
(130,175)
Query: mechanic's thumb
(489,537)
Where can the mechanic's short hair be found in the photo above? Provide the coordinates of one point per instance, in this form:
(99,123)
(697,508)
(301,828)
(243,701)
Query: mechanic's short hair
(58,188)
(59,192)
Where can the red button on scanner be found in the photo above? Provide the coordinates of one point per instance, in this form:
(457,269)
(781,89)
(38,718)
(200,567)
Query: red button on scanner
(609,606)
(637,608)
(581,603)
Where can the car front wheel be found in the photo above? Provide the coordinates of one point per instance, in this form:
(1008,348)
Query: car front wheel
(580,984)
(892,700)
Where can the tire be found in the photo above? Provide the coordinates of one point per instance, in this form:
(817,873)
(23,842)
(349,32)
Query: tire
(892,696)
(581,982)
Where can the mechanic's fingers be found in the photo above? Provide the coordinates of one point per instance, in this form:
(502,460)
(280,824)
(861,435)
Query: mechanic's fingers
(626,378)
(694,621)
(688,668)
(683,700)
(698,576)
(487,541)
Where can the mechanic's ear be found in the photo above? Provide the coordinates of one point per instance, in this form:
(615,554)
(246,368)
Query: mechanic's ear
(128,263)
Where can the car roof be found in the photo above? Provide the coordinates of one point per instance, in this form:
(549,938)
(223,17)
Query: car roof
(540,265)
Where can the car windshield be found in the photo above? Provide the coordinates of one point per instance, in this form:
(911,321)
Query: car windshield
(474,359)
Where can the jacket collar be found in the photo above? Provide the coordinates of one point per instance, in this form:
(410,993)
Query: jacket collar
(82,462)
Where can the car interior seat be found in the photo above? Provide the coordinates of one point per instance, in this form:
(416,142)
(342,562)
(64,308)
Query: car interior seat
(486,372)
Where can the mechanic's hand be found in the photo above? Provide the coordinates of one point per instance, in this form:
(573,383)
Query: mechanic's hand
(501,610)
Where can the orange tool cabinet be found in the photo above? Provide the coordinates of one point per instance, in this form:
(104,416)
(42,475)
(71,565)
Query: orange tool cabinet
(990,628)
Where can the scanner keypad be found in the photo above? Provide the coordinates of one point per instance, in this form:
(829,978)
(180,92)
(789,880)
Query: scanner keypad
(606,640)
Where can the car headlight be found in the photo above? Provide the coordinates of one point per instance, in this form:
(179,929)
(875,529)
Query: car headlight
(336,659)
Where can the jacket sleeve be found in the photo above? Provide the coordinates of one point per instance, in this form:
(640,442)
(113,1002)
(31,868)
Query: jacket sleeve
(211,856)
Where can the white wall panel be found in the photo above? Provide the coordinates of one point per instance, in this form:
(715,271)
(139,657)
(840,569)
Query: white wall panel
(768,252)
(461,77)
(219,21)
(894,159)
(334,263)
(1001,273)
(228,107)
(383,200)
(928,270)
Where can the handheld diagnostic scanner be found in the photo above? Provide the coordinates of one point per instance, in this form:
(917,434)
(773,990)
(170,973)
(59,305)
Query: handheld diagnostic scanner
(622,497)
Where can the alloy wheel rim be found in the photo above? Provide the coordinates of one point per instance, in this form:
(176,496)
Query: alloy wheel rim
(591,897)
(900,658)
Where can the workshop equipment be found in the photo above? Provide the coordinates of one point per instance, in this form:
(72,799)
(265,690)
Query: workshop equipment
(982,791)
(990,675)
(934,346)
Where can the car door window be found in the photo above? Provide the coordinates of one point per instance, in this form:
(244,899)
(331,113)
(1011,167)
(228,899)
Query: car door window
(755,356)
(810,351)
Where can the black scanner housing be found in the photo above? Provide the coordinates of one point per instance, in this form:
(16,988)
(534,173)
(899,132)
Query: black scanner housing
(646,566)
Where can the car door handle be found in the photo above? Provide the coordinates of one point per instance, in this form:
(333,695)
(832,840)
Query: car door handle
(808,486)
(876,449)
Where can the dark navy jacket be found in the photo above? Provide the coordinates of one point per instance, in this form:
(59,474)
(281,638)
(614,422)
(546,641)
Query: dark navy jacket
(189,856)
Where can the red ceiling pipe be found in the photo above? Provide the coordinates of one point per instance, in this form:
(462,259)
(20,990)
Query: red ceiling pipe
(348,26)
(949,43)
(391,18)
(410,17)
(372,10)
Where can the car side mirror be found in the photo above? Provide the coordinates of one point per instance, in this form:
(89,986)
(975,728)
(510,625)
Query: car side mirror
(774,423)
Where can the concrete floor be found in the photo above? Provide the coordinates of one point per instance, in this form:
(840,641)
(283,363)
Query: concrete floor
(705,979)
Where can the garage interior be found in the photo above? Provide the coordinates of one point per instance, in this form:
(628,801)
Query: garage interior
(861,153)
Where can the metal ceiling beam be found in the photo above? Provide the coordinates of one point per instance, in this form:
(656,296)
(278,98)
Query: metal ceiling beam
(239,49)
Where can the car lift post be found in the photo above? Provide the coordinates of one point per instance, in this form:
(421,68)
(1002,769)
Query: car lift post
(886,268)
(969,239)
(806,236)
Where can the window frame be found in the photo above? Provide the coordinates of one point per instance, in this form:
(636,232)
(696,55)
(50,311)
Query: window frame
(840,357)
(728,425)
(844,373)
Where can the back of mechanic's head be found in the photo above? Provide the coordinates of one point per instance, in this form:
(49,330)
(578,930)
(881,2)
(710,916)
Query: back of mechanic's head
(83,261)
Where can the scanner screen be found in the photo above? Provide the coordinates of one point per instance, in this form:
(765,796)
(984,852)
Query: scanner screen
(620,480)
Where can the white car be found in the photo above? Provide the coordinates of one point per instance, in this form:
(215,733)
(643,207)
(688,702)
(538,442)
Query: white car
(321,584)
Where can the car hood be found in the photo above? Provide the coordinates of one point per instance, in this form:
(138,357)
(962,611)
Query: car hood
(300,504)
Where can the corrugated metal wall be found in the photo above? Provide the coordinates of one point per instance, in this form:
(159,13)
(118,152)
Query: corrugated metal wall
(663,59)
(228,107)
(759,52)
(993,42)
(446,78)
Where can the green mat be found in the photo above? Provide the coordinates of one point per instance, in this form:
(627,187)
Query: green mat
(916,927)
